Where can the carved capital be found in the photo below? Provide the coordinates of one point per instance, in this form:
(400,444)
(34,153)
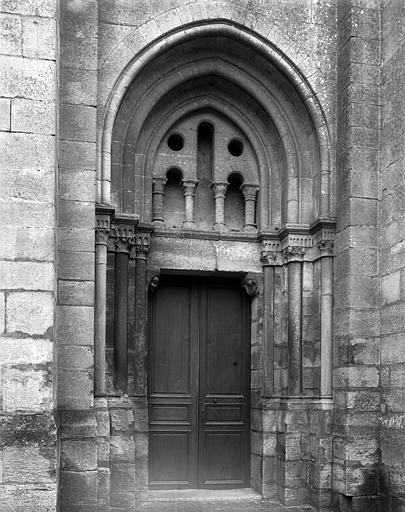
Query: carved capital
(269,257)
(123,245)
(102,235)
(102,229)
(251,285)
(122,236)
(326,247)
(189,187)
(158,185)
(249,191)
(270,253)
(292,253)
(219,189)
(142,244)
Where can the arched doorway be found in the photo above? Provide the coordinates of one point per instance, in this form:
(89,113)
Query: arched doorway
(219,166)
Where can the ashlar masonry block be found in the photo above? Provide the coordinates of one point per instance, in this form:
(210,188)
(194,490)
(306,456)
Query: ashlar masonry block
(39,38)
(26,389)
(2,313)
(29,464)
(27,78)
(30,312)
(33,116)
(5,114)
(391,287)
(25,351)
(28,275)
(10,34)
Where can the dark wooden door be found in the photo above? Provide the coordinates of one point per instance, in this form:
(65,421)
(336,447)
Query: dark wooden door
(199,384)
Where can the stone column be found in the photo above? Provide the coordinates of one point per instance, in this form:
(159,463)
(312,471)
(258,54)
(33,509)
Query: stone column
(189,194)
(142,244)
(270,260)
(219,197)
(102,233)
(249,192)
(294,257)
(326,249)
(122,249)
(158,193)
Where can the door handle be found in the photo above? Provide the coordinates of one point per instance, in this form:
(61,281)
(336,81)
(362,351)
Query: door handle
(203,413)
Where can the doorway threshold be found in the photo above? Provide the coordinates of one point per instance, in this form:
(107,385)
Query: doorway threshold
(204,495)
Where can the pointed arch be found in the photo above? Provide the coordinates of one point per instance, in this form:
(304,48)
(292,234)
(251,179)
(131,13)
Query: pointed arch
(263,49)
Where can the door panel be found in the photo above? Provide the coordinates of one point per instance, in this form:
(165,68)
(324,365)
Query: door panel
(173,392)
(199,386)
(171,357)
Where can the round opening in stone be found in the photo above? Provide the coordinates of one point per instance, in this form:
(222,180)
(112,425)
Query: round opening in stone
(235,147)
(175,142)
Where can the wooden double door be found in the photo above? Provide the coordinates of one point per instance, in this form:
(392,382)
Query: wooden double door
(199,385)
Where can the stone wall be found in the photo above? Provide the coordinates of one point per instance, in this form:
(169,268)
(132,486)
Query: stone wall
(356,359)
(392,256)
(28,163)
(76,222)
(57,71)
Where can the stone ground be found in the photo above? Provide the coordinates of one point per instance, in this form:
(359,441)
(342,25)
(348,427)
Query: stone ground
(218,506)
(204,500)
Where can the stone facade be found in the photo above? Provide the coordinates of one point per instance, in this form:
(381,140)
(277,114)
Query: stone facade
(260,139)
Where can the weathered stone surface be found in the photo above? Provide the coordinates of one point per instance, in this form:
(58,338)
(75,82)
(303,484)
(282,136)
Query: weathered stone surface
(30,7)
(10,34)
(2,313)
(75,325)
(75,357)
(26,351)
(27,78)
(29,497)
(79,455)
(78,123)
(26,389)
(76,293)
(33,116)
(29,464)
(76,265)
(25,242)
(75,389)
(39,38)
(78,489)
(5,114)
(78,424)
(27,275)
(30,312)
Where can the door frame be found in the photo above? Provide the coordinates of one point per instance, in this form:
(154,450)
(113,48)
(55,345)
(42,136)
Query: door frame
(252,282)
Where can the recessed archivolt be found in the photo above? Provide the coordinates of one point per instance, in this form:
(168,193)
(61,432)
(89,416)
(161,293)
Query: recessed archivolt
(278,89)
(268,151)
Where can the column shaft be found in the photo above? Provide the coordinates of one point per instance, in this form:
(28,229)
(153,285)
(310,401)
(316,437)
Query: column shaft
(189,194)
(158,193)
(100,319)
(141,312)
(294,328)
(121,321)
(219,198)
(268,357)
(326,325)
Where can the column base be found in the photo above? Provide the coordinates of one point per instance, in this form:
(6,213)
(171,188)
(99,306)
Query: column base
(187,224)
(221,228)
